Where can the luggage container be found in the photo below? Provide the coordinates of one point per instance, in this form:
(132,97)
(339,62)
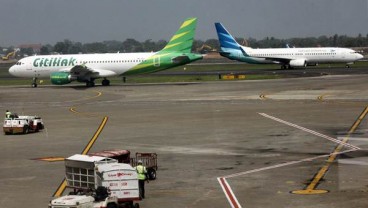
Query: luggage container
(110,183)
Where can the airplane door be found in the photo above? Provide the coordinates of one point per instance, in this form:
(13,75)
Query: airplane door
(156,61)
(32,70)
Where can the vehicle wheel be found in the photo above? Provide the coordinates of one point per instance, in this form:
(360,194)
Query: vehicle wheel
(152,174)
(136,205)
(25,130)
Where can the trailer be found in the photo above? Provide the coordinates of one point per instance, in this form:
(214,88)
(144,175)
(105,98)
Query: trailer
(149,160)
(98,182)
(83,201)
(22,124)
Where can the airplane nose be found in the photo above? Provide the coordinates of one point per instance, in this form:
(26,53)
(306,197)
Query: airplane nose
(12,70)
(360,56)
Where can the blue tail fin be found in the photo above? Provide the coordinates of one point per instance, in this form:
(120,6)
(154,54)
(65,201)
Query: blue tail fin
(225,38)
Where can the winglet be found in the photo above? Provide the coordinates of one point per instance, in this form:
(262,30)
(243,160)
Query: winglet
(182,41)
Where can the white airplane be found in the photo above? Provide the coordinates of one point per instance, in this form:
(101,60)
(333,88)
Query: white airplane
(286,57)
(63,69)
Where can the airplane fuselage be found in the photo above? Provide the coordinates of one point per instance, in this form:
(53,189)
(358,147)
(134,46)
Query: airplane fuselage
(282,55)
(110,64)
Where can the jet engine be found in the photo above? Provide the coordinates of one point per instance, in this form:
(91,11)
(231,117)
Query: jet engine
(298,63)
(61,78)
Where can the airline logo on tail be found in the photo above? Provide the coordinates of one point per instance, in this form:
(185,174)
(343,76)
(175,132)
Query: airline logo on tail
(226,40)
(229,47)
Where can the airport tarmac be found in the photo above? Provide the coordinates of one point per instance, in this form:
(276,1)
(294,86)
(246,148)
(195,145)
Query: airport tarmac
(219,144)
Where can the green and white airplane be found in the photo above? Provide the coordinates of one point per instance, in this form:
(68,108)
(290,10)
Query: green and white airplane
(63,69)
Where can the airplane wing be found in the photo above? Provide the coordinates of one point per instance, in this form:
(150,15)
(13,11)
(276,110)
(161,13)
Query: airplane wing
(275,60)
(81,71)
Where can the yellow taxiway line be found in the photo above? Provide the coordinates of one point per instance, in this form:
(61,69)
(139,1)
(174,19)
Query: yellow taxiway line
(310,189)
(59,191)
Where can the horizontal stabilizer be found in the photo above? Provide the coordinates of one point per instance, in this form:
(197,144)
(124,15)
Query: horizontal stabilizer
(180,59)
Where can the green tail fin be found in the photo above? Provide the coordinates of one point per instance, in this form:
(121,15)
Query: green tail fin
(182,41)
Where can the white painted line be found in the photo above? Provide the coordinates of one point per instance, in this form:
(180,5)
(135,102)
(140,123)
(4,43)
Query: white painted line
(284,164)
(311,131)
(364,139)
(226,188)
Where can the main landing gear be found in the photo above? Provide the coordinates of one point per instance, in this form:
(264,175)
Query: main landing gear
(91,83)
(105,82)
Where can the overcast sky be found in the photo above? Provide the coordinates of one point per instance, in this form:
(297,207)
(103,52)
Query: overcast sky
(49,21)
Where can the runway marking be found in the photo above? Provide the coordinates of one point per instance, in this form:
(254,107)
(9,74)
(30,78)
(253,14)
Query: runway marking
(262,97)
(229,193)
(310,189)
(320,98)
(73,109)
(50,159)
(59,191)
(231,197)
(98,94)
(310,131)
(95,136)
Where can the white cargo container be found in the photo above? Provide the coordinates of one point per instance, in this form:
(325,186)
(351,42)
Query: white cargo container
(120,179)
(101,177)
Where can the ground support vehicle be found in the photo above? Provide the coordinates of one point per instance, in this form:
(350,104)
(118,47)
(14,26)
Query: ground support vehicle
(149,160)
(83,201)
(98,182)
(22,124)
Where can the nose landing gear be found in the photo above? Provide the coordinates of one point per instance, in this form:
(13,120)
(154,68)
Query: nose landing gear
(34,82)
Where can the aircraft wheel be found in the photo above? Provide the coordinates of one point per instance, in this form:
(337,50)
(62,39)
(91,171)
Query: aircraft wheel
(90,84)
(105,82)
(34,85)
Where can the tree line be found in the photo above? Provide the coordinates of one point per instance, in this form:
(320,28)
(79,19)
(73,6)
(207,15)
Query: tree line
(132,45)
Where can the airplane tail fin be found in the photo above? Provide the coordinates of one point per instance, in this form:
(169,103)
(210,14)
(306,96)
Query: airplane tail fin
(182,41)
(225,38)
(228,43)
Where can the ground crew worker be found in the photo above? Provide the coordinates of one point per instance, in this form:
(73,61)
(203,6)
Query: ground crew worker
(7,114)
(142,171)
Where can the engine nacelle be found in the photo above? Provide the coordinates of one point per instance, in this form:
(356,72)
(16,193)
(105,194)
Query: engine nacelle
(61,78)
(298,63)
